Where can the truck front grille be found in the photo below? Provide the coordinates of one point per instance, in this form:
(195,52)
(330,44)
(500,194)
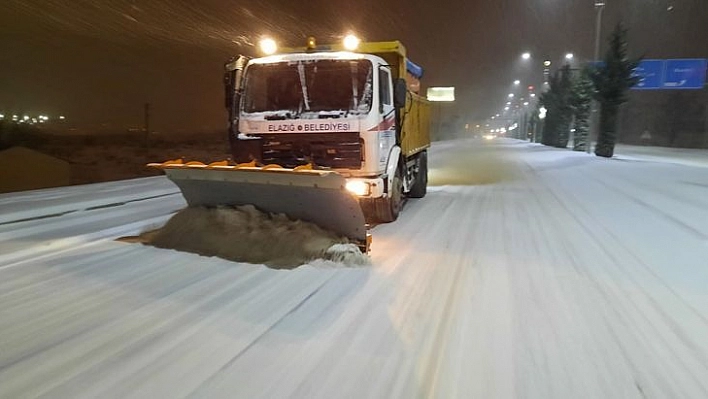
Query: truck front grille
(330,150)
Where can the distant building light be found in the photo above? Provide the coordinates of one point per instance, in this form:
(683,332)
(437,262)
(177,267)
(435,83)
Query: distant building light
(510,95)
(2,116)
(14,117)
(62,117)
(526,103)
(532,95)
(517,82)
(26,118)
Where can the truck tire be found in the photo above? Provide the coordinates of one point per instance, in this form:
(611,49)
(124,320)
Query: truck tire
(386,209)
(420,184)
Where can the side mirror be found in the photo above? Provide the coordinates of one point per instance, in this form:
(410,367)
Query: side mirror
(232,79)
(400,90)
(229,88)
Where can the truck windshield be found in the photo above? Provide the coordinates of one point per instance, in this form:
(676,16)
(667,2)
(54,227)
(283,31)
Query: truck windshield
(314,86)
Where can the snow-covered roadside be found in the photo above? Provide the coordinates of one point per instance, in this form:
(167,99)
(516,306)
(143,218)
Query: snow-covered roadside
(680,156)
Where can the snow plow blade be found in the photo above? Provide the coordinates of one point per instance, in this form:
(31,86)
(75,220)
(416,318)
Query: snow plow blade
(315,196)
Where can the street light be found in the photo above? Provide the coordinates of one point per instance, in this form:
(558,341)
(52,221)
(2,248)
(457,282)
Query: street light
(526,55)
(510,95)
(517,82)
(569,56)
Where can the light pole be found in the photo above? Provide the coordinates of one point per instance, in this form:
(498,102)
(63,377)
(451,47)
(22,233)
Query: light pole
(541,117)
(546,73)
(595,120)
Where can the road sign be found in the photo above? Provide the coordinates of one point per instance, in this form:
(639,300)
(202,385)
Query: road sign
(685,74)
(442,94)
(651,73)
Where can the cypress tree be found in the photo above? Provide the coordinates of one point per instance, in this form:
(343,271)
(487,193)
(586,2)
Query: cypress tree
(612,81)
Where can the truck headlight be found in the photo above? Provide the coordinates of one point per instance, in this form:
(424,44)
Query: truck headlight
(358,187)
(351,42)
(268,46)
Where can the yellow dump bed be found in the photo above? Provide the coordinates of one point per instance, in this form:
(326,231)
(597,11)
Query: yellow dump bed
(415,117)
(415,135)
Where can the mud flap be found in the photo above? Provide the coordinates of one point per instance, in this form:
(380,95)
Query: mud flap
(314,196)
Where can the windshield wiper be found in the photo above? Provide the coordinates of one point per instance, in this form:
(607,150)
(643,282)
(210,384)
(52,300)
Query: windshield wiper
(280,116)
(331,114)
(303,85)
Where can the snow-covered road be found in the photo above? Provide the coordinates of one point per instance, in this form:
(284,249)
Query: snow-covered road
(526,272)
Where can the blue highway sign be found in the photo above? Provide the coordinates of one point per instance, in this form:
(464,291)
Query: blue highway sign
(651,73)
(685,74)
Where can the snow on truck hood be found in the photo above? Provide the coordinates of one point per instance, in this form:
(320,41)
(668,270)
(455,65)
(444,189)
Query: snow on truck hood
(334,55)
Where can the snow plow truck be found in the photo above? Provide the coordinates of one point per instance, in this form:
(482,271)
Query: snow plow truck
(336,135)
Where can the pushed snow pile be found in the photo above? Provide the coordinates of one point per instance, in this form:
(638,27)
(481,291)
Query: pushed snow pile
(245,234)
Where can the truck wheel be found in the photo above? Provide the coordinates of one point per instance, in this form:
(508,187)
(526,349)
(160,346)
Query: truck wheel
(420,184)
(388,208)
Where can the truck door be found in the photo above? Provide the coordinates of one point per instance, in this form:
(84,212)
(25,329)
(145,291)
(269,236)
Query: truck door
(385,93)
(387,115)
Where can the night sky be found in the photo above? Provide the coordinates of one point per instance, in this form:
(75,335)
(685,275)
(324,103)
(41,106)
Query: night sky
(98,62)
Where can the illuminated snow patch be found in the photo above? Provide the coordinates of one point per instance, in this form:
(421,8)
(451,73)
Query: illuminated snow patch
(245,234)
